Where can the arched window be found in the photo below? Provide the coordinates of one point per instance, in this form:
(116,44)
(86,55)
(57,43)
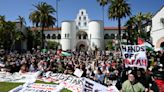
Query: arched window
(112,36)
(85,23)
(84,18)
(65,35)
(59,36)
(79,18)
(124,36)
(106,36)
(82,13)
(54,36)
(48,36)
(79,23)
(162,45)
(85,36)
(79,36)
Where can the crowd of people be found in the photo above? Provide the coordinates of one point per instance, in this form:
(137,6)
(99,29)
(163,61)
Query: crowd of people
(104,67)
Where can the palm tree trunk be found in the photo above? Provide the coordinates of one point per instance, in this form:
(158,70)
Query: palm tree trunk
(42,33)
(103,13)
(139,28)
(128,38)
(119,32)
(119,28)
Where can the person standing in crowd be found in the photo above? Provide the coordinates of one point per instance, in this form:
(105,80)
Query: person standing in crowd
(131,84)
(99,76)
(159,77)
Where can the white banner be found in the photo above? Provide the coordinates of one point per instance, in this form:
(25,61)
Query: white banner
(17,77)
(92,86)
(68,81)
(134,56)
(37,87)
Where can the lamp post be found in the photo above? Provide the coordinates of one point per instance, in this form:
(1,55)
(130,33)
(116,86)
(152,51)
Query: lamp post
(57,22)
(57,1)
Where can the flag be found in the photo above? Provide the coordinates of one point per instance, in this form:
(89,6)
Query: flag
(140,41)
(65,54)
(148,46)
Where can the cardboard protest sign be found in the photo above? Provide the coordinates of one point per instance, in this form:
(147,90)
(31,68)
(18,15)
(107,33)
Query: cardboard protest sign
(78,72)
(134,56)
(92,86)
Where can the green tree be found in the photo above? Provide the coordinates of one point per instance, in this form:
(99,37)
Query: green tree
(109,45)
(141,19)
(7,31)
(131,31)
(36,38)
(52,44)
(43,17)
(118,10)
(136,25)
(2,19)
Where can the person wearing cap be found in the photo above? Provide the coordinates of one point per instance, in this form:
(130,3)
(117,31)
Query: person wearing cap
(131,84)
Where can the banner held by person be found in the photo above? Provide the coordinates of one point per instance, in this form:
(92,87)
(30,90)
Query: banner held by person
(92,86)
(134,56)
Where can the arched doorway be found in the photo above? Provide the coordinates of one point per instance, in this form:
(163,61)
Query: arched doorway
(81,46)
(162,45)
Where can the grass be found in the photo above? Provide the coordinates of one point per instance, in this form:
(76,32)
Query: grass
(7,86)
(38,81)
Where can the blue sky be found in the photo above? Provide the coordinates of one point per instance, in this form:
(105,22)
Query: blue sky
(68,9)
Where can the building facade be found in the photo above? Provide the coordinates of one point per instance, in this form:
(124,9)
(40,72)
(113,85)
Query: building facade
(157,31)
(83,34)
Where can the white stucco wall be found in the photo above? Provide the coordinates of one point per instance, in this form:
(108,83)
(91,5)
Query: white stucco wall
(157,31)
(96,33)
(68,27)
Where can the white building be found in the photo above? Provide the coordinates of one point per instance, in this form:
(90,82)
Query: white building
(82,33)
(157,32)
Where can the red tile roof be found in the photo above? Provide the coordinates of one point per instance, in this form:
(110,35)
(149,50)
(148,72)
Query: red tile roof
(55,29)
(114,28)
(46,29)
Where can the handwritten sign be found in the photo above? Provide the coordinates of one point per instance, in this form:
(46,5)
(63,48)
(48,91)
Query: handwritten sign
(134,56)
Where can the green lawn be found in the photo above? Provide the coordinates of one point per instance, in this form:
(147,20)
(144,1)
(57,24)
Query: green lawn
(6,86)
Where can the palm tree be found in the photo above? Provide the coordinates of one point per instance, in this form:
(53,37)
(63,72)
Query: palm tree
(141,19)
(2,20)
(130,25)
(43,17)
(103,3)
(118,10)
